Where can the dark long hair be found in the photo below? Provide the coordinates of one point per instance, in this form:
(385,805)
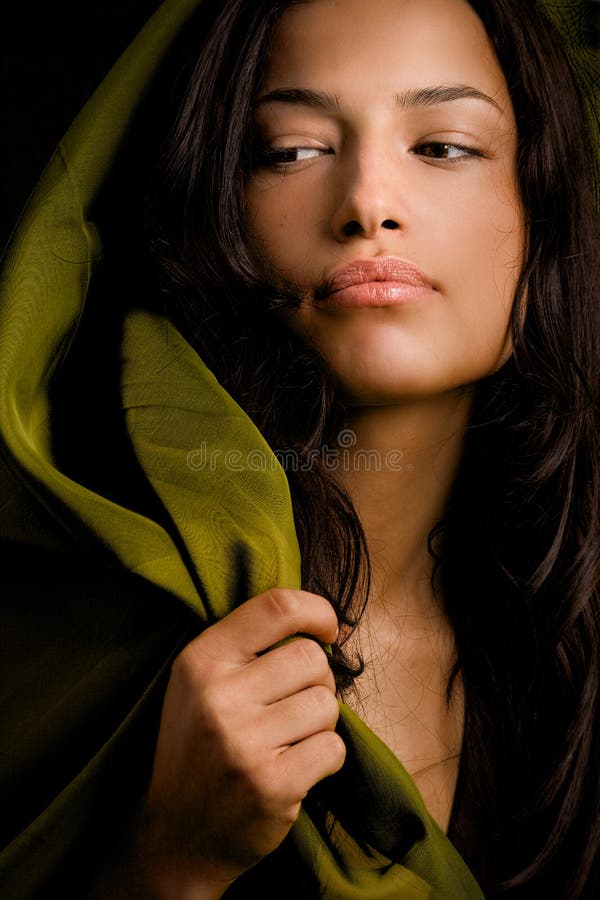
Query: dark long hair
(518,552)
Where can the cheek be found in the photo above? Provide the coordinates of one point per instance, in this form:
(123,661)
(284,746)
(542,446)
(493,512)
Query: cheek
(484,254)
(267,222)
(489,242)
(287,224)
(507,250)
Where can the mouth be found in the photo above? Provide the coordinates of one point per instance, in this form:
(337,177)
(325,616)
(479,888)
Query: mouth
(379,281)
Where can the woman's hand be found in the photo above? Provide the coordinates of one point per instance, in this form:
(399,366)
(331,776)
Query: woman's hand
(247,729)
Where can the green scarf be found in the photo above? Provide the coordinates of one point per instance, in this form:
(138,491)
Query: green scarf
(122,539)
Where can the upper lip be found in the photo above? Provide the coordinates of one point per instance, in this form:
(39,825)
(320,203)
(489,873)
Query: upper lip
(382,268)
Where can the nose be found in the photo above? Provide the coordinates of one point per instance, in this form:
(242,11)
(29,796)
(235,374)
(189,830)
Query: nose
(369,201)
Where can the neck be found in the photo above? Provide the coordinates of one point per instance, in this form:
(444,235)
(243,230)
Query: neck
(399,473)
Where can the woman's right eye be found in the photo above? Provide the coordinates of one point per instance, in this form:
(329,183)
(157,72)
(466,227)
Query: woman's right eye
(285,156)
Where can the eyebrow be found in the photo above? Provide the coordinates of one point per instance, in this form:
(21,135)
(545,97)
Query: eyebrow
(415,97)
(430,96)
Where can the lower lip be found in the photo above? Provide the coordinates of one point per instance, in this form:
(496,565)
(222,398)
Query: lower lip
(378,293)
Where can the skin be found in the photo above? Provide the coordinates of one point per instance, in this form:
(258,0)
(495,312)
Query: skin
(247,729)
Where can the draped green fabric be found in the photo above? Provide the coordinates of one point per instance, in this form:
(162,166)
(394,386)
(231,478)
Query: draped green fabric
(126,527)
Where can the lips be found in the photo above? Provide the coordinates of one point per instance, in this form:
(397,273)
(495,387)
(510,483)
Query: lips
(366,271)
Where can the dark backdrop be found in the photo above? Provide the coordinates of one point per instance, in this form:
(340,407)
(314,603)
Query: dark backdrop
(53,53)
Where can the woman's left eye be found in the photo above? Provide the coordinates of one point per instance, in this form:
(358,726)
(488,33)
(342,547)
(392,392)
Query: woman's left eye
(439,150)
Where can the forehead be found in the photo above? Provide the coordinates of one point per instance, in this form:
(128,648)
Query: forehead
(383,45)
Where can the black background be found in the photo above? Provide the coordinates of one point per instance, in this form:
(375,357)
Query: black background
(52,57)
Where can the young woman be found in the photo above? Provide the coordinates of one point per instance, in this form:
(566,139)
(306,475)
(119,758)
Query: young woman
(377,226)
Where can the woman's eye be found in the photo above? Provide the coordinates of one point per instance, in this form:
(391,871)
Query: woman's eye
(286,155)
(443,151)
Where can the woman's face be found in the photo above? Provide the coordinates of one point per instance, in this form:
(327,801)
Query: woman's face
(386,192)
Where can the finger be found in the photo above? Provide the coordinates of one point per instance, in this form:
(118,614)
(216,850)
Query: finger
(263,621)
(305,764)
(298,717)
(287,669)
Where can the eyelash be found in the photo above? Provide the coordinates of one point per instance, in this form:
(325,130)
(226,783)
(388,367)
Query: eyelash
(466,151)
(275,160)
(272,157)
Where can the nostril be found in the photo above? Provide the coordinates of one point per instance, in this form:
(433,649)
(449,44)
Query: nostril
(351,228)
(389,223)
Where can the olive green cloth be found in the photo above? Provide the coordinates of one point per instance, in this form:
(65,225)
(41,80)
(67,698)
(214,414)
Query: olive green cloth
(126,527)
